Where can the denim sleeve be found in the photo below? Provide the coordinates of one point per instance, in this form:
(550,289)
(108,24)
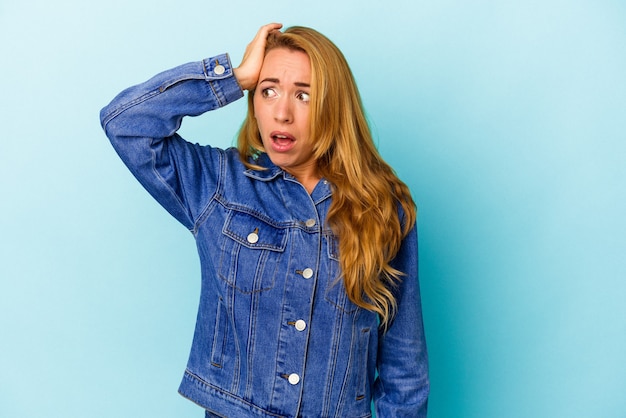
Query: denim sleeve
(402,387)
(141,123)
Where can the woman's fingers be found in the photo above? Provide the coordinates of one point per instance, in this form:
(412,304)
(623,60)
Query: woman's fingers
(247,73)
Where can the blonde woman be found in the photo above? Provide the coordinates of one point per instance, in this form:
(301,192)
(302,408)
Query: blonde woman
(310,303)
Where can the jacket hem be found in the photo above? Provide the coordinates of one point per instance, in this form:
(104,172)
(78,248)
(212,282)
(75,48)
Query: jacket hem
(217,400)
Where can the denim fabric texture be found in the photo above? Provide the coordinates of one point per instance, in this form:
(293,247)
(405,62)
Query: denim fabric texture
(276,335)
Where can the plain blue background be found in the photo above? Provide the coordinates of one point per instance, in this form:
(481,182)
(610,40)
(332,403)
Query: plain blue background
(506,119)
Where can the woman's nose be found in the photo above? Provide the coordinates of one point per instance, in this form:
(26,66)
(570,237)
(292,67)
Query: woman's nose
(283,111)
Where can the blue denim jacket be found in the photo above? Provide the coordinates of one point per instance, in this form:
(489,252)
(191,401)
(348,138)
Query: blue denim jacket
(276,335)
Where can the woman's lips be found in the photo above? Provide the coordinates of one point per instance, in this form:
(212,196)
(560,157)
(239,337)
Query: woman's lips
(282,141)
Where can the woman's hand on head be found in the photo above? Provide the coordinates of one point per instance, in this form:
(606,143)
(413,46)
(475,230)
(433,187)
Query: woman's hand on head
(247,73)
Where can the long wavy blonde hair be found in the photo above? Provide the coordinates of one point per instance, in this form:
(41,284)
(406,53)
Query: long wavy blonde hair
(367,196)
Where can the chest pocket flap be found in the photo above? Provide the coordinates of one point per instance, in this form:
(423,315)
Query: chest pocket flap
(251,249)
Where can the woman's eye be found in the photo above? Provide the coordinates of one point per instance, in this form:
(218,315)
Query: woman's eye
(268,93)
(305,97)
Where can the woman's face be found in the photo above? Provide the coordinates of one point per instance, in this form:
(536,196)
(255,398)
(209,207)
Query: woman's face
(281,108)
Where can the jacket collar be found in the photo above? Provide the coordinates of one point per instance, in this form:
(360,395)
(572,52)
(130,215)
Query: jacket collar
(271,170)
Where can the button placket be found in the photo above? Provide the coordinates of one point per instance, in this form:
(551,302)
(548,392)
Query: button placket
(299,294)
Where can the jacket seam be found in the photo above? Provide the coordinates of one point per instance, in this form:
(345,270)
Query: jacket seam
(204,213)
(120,109)
(169,188)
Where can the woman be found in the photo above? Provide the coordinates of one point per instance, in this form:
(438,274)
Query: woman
(310,301)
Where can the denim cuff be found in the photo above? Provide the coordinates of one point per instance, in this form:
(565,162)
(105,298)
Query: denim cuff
(218,72)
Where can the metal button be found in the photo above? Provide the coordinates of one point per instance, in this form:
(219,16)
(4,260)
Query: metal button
(307,273)
(253,237)
(219,69)
(300,325)
(310,222)
(294,379)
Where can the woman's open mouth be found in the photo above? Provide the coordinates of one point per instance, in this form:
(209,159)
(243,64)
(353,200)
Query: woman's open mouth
(282,141)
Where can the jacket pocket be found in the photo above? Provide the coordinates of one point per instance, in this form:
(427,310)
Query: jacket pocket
(250,252)
(335,293)
(362,355)
(220,335)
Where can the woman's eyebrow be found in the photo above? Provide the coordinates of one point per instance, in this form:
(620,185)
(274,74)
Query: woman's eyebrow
(271,80)
(277,81)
